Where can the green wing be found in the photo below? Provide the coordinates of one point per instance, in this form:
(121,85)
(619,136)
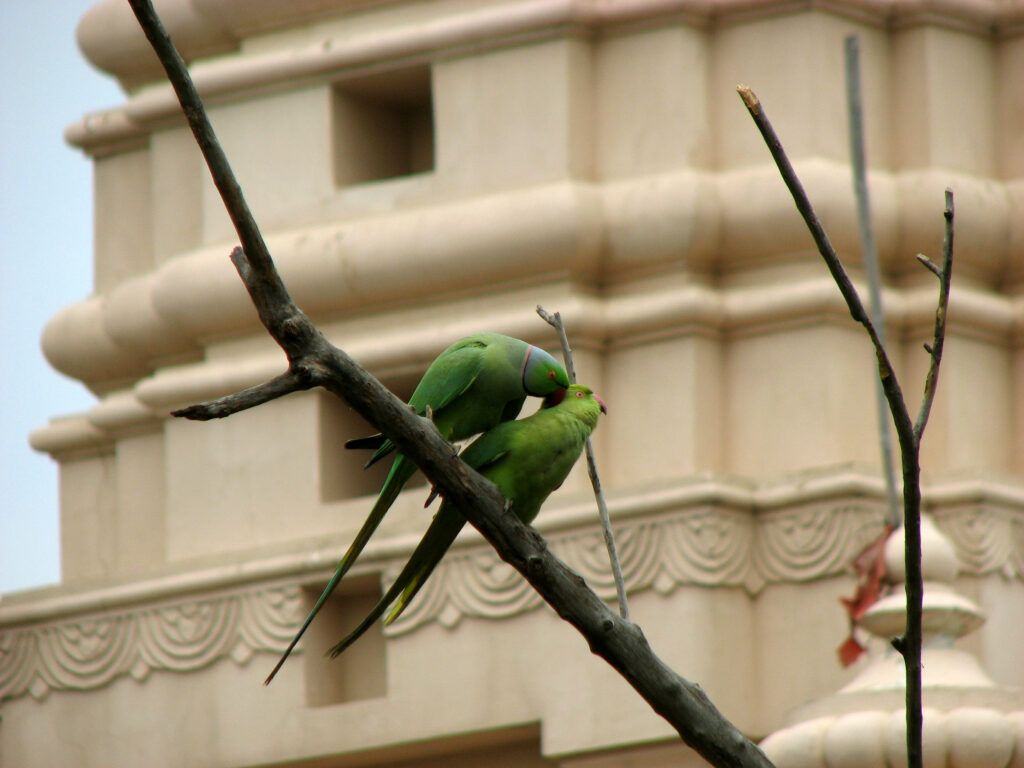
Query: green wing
(491,446)
(448,377)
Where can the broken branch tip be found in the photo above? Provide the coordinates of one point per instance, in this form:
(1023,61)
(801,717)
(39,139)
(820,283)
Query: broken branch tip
(748,96)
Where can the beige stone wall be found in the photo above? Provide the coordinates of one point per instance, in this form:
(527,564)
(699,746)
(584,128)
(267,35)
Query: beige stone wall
(425,170)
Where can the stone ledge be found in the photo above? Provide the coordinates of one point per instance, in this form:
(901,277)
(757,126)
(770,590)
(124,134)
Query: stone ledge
(705,533)
(588,232)
(615,322)
(110,39)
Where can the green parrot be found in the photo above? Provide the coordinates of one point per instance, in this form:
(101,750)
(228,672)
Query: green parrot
(474,385)
(526,459)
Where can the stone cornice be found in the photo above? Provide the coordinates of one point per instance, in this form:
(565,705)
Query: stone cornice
(109,37)
(616,321)
(710,533)
(591,233)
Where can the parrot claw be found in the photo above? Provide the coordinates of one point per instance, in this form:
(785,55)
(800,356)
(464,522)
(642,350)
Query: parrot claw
(508,505)
(430,414)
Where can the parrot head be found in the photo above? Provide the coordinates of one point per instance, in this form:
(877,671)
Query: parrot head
(542,374)
(577,397)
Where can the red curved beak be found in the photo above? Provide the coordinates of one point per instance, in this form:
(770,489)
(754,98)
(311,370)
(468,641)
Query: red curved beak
(604,408)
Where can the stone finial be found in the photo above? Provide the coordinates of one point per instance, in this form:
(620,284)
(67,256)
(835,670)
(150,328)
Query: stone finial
(945,613)
(969,720)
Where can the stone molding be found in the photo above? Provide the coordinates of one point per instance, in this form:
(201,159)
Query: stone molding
(110,39)
(586,230)
(704,547)
(89,652)
(112,342)
(703,534)
(616,321)
(988,540)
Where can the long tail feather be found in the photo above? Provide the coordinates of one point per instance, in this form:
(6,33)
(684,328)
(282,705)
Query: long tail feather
(372,616)
(309,620)
(400,473)
(382,447)
(436,541)
(369,442)
(449,526)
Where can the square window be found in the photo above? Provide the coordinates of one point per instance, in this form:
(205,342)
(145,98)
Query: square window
(359,673)
(383,126)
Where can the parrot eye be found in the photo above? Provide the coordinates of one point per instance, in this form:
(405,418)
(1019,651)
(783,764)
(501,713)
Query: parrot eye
(551,375)
(579,394)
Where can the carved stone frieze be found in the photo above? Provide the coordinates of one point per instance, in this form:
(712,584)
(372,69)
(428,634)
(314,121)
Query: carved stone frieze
(703,546)
(89,652)
(987,539)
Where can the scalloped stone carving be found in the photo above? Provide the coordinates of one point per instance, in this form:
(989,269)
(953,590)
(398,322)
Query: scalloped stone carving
(986,540)
(697,547)
(91,651)
(700,547)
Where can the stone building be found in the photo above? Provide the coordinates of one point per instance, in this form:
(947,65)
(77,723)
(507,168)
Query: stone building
(422,170)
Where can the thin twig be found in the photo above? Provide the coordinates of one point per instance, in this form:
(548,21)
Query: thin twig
(910,647)
(886,373)
(279,386)
(621,643)
(858,165)
(930,265)
(890,385)
(945,275)
(555,321)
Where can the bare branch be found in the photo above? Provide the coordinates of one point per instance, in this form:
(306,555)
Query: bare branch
(935,350)
(930,265)
(909,434)
(262,278)
(890,385)
(619,642)
(279,386)
(555,321)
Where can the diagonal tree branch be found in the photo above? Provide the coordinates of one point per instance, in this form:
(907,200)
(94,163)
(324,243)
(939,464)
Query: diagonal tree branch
(267,281)
(316,362)
(890,385)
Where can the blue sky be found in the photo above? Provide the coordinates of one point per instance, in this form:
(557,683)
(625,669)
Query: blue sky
(45,261)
